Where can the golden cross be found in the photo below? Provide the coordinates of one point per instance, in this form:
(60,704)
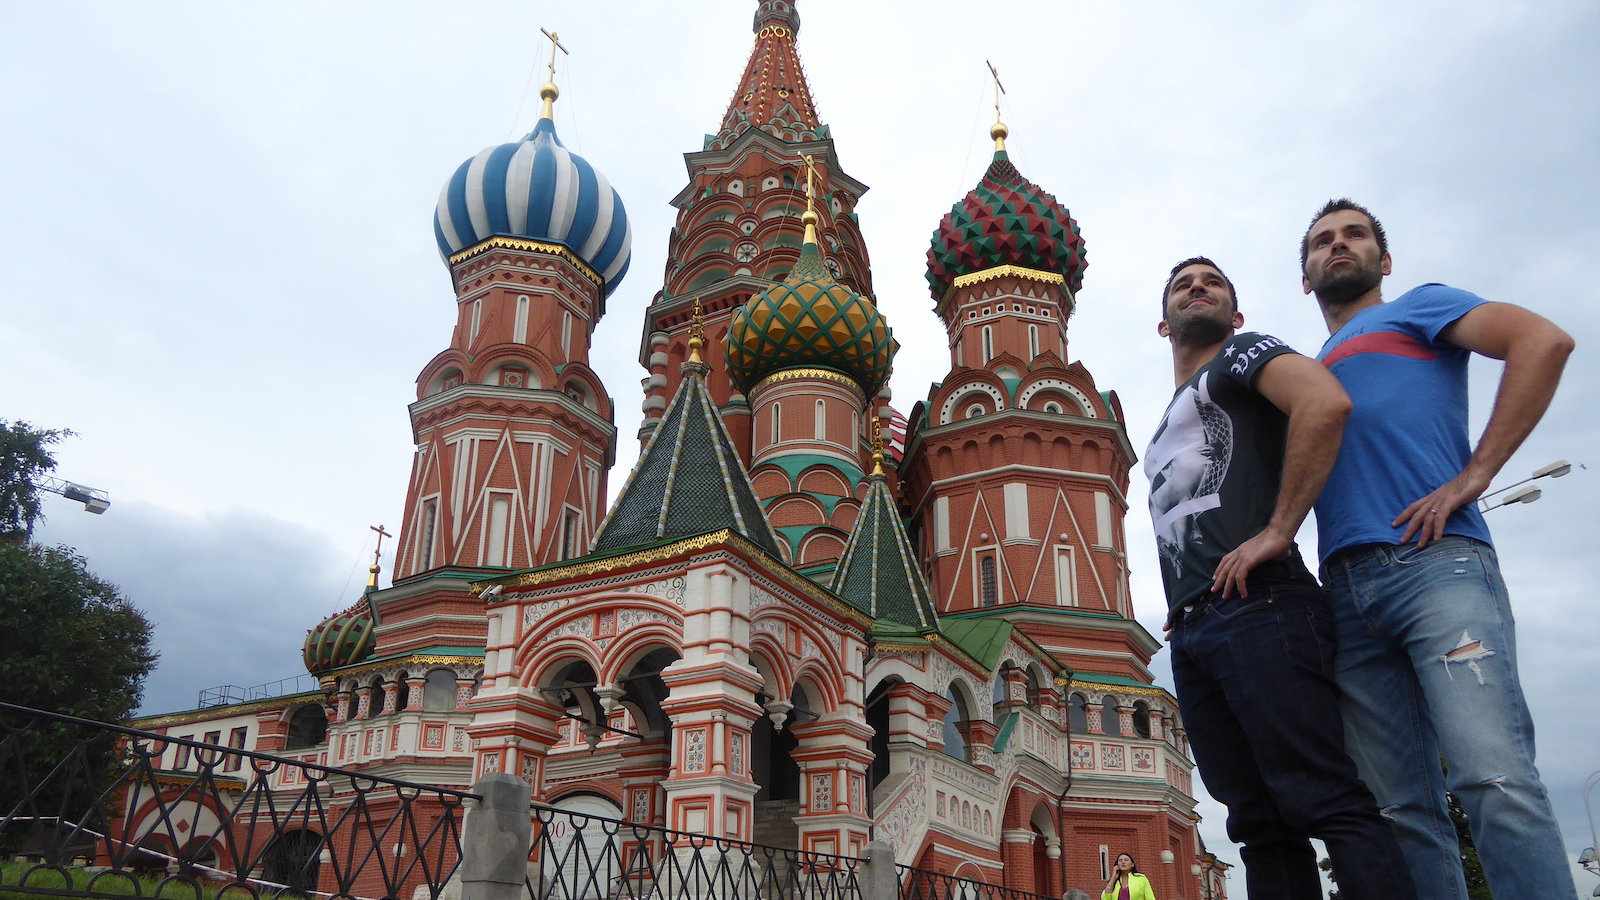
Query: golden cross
(555,44)
(998,88)
(697,331)
(381,535)
(877,446)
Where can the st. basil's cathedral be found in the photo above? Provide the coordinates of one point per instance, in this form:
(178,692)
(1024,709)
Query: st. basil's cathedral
(805,620)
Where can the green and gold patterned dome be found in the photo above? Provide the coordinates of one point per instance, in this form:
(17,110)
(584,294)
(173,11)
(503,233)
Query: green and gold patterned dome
(810,320)
(342,639)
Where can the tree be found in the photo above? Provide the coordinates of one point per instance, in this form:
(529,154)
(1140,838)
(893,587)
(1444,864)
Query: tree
(1477,884)
(24,455)
(71,642)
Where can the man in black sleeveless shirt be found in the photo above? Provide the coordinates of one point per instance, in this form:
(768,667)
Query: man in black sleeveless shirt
(1236,463)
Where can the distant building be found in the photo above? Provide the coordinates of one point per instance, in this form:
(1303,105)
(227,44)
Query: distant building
(782,630)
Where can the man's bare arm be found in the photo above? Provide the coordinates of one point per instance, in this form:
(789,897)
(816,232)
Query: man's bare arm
(1535,351)
(1317,407)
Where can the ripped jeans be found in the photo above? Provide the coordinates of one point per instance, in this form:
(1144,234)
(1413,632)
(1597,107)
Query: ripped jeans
(1427,662)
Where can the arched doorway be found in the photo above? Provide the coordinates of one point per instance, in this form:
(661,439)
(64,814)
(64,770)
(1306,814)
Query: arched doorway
(878,718)
(772,766)
(293,861)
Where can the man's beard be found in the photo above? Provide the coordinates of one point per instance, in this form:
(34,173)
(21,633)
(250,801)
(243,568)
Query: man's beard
(1198,330)
(1346,285)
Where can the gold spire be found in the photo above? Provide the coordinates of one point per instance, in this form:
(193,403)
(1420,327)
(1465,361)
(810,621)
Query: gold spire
(372,572)
(697,333)
(548,92)
(998,130)
(810,217)
(877,448)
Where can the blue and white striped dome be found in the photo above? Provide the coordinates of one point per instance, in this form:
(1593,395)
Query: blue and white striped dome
(537,189)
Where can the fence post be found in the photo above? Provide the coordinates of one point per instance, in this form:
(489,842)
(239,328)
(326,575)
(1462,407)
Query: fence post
(878,877)
(496,837)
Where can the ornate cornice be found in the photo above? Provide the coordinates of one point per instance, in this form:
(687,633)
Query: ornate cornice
(510,243)
(1007,271)
(219,712)
(403,662)
(808,372)
(726,537)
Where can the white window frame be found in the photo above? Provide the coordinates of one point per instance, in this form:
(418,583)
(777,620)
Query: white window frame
(941,525)
(427,533)
(573,514)
(978,553)
(566,333)
(821,422)
(988,343)
(1015,497)
(477,320)
(1033,341)
(777,421)
(1102,519)
(519,331)
(487,553)
(1066,582)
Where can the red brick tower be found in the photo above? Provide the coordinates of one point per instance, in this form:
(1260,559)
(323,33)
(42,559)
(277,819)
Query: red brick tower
(738,230)
(1016,467)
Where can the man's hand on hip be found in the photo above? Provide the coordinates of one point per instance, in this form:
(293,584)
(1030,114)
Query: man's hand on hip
(1236,567)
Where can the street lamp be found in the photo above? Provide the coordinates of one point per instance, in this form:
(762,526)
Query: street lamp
(1522,491)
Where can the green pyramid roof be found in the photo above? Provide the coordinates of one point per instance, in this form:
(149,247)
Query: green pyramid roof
(878,573)
(688,481)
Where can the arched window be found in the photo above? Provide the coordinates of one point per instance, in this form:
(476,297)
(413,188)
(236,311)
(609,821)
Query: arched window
(1033,687)
(375,696)
(1141,719)
(1033,341)
(308,727)
(777,422)
(975,410)
(439,691)
(1052,407)
(402,697)
(1078,714)
(955,744)
(821,424)
(1109,722)
(988,343)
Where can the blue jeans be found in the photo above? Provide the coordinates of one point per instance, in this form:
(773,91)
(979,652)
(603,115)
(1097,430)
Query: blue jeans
(1428,665)
(1255,687)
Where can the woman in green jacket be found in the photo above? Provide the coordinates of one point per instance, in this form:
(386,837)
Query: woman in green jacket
(1127,883)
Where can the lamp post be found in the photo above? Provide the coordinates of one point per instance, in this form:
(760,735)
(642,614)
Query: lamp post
(1523,491)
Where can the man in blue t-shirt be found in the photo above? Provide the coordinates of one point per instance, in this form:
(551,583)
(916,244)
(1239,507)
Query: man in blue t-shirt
(1427,647)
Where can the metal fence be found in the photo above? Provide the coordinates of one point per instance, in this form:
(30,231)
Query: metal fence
(925,884)
(587,856)
(87,810)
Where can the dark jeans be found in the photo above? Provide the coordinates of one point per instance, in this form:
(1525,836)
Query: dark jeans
(1256,690)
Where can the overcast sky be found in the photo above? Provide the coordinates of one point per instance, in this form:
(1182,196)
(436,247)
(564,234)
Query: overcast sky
(218,265)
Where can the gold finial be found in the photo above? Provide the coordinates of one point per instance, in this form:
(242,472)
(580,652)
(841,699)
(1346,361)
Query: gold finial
(877,448)
(810,200)
(372,572)
(548,92)
(998,130)
(697,333)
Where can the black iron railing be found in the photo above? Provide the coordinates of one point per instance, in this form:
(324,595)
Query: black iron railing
(922,884)
(585,857)
(88,810)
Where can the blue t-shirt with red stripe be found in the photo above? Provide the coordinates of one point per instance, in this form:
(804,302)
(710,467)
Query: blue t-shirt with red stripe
(1407,434)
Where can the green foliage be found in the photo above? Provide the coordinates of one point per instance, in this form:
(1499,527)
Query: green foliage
(71,642)
(24,455)
(119,885)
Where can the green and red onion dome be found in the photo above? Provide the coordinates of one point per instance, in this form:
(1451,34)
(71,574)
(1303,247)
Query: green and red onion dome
(810,320)
(342,639)
(1005,220)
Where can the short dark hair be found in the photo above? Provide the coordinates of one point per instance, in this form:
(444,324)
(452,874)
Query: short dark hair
(1339,204)
(1196,261)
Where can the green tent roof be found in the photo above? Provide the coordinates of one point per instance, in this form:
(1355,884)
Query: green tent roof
(878,573)
(687,482)
(982,639)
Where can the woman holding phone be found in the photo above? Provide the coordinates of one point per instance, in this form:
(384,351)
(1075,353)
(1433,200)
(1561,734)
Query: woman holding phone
(1127,883)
